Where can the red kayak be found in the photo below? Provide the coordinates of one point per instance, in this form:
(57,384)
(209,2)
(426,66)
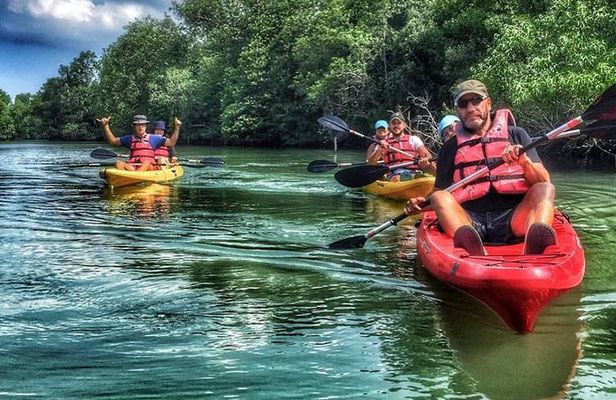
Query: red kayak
(514,285)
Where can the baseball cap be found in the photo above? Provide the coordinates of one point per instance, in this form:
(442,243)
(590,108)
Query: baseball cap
(470,86)
(381,123)
(397,115)
(445,122)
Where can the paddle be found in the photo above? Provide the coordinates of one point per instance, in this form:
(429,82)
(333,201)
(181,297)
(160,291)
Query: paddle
(82,165)
(338,125)
(103,154)
(602,109)
(363,175)
(318,166)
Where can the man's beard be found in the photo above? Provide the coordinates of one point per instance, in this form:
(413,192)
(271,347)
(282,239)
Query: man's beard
(476,126)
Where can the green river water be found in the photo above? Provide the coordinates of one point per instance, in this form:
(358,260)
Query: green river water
(218,286)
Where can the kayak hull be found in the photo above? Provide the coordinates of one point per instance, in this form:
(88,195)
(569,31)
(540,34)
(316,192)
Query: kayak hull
(405,190)
(516,286)
(120,178)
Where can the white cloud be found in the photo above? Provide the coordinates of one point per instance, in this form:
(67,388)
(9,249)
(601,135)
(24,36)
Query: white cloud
(109,15)
(63,10)
(112,15)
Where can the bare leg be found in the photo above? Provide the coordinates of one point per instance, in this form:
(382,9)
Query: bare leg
(449,212)
(146,166)
(537,206)
(124,166)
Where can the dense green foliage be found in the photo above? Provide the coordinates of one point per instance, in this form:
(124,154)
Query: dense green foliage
(262,72)
(7,127)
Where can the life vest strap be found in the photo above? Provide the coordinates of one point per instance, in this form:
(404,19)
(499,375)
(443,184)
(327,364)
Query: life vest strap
(493,178)
(483,140)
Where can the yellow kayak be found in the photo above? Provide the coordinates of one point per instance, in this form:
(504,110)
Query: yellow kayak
(419,186)
(118,178)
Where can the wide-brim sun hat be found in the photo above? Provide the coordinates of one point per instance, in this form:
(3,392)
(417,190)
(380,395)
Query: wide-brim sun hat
(140,119)
(159,125)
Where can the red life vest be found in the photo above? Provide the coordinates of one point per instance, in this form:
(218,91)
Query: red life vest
(475,152)
(141,150)
(403,142)
(162,151)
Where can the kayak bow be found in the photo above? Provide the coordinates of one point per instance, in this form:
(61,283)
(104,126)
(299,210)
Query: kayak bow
(420,186)
(516,286)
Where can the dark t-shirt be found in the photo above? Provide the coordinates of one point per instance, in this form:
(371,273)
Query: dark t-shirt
(492,201)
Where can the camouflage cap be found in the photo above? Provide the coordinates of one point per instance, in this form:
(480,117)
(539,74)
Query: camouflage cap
(470,86)
(397,115)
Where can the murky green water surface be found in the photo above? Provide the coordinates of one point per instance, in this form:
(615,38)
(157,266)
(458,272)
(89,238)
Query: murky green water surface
(218,286)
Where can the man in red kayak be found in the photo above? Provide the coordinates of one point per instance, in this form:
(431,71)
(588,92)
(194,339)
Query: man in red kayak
(513,202)
(141,144)
(401,138)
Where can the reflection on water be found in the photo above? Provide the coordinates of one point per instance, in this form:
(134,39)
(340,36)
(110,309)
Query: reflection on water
(508,366)
(149,202)
(218,285)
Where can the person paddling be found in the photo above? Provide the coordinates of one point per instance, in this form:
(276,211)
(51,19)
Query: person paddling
(165,155)
(141,144)
(514,202)
(406,142)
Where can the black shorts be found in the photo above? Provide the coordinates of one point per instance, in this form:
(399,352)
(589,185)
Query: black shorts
(494,226)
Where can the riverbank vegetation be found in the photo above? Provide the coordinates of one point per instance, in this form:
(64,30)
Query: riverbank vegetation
(261,72)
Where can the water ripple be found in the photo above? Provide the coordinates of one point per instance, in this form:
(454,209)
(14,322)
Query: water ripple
(219,285)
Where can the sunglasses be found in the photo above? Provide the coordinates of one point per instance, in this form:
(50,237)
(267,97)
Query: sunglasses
(463,103)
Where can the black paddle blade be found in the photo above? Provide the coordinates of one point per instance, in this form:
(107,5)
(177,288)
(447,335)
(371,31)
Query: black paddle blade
(205,162)
(361,175)
(321,166)
(103,154)
(604,130)
(213,164)
(334,123)
(355,242)
(604,106)
(211,161)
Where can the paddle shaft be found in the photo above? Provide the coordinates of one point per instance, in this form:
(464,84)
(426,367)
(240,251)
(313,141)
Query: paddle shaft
(106,153)
(407,164)
(380,144)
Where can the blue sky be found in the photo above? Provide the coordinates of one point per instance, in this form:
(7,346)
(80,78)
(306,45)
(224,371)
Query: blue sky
(37,36)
